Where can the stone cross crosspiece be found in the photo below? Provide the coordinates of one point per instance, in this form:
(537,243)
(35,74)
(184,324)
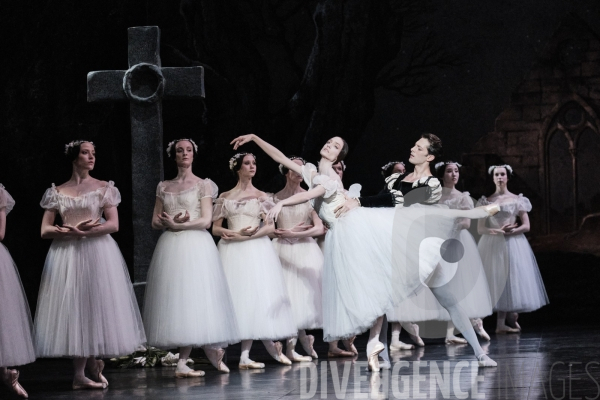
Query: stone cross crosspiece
(144,85)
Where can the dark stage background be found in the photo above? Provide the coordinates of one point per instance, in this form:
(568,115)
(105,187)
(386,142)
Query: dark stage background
(379,74)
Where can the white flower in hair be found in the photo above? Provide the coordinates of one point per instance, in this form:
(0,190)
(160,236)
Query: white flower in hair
(386,166)
(493,167)
(292,158)
(233,160)
(74,143)
(173,142)
(441,164)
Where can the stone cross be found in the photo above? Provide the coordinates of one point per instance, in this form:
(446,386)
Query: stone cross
(144,85)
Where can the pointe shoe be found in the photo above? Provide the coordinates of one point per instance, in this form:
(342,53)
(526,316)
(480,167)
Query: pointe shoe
(298,358)
(373,357)
(491,209)
(506,329)
(307,345)
(384,364)
(251,365)
(349,345)
(478,327)
(339,353)
(414,335)
(91,385)
(455,340)
(218,363)
(513,320)
(278,356)
(96,373)
(14,385)
(401,346)
(484,361)
(189,374)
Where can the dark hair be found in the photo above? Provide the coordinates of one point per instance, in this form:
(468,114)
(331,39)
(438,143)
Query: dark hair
(435,145)
(173,149)
(388,168)
(72,151)
(439,172)
(239,161)
(284,170)
(343,152)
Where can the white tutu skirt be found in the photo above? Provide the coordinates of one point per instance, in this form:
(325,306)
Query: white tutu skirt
(513,275)
(260,299)
(86,305)
(187,301)
(16,344)
(356,276)
(466,279)
(302,263)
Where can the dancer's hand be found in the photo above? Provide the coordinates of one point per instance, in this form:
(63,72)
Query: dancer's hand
(495,231)
(166,221)
(182,219)
(509,228)
(348,205)
(291,233)
(71,230)
(241,140)
(234,236)
(88,224)
(274,213)
(248,231)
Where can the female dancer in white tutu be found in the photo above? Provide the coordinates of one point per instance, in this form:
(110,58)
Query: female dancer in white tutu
(187,299)
(302,262)
(260,299)
(512,271)
(16,345)
(86,305)
(357,279)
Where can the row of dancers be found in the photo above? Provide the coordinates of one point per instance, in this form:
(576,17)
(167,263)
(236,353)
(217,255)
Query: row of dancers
(250,287)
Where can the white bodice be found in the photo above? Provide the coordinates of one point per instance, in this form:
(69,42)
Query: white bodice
(457,201)
(291,216)
(242,213)
(89,205)
(187,200)
(509,210)
(6,201)
(333,197)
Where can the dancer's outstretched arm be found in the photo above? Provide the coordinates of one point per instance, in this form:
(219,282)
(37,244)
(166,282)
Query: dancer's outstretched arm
(269,149)
(298,198)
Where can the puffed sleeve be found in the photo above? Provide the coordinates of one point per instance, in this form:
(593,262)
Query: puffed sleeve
(50,199)
(267,202)
(6,201)
(308,170)
(483,201)
(523,204)
(159,190)
(208,189)
(111,196)
(465,201)
(219,210)
(329,184)
(434,190)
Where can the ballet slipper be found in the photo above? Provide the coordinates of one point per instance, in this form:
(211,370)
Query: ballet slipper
(337,352)
(96,373)
(189,374)
(373,357)
(478,327)
(251,365)
(511,320)
(484,361)
(349,345)
(215,356)
(88,384)
(401,346)
(13,384)
(413,332)
(278,356)
(455,340)
(506,329)
(307,342)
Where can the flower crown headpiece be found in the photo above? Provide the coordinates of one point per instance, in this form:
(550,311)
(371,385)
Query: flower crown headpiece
(386,166)
(291,158)
(234,160)
(441,164)
(343,166)
(74,143)
(173,142)
(493,167)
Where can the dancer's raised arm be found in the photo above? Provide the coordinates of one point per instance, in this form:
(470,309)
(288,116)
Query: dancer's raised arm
(298,198)
(269,149)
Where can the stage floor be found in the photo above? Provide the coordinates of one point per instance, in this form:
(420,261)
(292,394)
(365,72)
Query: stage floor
(542,363)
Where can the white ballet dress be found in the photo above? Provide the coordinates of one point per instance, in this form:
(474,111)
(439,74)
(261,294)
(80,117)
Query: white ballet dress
(374,257)
(187,301)
(513,275)
(86,304)
(254,274)
(16,344)
(302,263)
